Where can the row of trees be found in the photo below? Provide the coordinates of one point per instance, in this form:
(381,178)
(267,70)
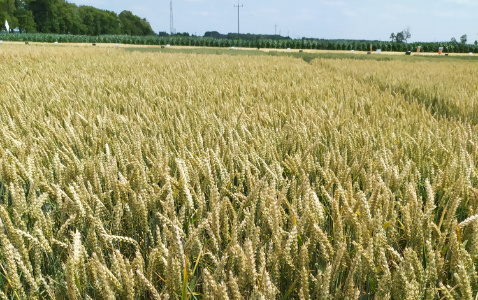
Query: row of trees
(401,36)
(59,16)
(245,36)
(261,43)
(463,39)
(404,35)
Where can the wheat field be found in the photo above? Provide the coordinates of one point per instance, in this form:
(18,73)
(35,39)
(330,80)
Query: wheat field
(134,175)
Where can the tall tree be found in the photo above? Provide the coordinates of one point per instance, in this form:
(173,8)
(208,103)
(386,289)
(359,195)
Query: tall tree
(406,34)
(26,23)
(393,37)
(400,37)
(59,16)
(45,13)
(134,25)
(7,12)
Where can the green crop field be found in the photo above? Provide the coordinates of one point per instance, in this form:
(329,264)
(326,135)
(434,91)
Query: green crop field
(245,41)
(161,174)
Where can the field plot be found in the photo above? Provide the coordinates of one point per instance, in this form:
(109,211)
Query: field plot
(140,175)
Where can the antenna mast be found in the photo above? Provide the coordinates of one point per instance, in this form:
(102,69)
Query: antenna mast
(238,8)
(171,21)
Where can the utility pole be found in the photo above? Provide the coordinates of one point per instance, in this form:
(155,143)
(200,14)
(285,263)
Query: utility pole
(275,29)
(171,21)
(238,8)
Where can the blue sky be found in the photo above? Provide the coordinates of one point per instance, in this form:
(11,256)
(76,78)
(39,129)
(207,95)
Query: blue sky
(437,20)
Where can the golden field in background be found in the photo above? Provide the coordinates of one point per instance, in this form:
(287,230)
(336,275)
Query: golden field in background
(141,175)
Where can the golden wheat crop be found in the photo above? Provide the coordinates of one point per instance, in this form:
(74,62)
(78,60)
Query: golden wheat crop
(166,176)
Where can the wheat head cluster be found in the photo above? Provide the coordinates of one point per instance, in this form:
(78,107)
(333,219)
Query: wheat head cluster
(164,176)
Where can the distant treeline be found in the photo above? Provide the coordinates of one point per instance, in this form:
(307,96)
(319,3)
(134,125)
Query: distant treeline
(245,36)
(59,16)
(181,40)
(229,36)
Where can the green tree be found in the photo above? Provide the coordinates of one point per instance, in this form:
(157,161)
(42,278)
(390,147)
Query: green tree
(463,39)
(76,24)
(109,22)
(7,12)
(406,34)
(400,37)
(134,25)
(89,19)
(59,16)
(26,23)
(45,13)
(393,37)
